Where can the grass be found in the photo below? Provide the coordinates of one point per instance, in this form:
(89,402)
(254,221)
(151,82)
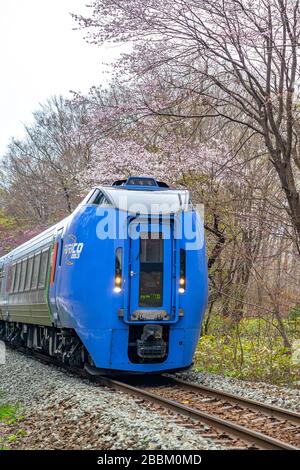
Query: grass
(10,418)
(8,413)
(252,350)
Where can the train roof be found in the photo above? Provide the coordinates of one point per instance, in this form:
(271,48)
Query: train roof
(141,183)
(144,195)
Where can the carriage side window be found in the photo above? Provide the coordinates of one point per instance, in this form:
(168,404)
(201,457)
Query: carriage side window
(29,273)
(23,275)
(17,277)
(35,273)
(1,277)
(11,278)
(43,269)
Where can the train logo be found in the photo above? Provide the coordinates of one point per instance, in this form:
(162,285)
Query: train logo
(73,250)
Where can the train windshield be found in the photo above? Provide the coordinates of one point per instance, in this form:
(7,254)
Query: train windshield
(151,271)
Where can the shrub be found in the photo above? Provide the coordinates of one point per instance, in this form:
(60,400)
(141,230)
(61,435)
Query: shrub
(294,313)
(251,349)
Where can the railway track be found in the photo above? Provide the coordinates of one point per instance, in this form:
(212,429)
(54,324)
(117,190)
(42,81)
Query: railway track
(230,420)
(234,421)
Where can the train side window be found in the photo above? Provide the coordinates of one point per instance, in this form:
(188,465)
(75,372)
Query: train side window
(43,269)
(17,277)
(93,196)
(105,201)
(61,251)
(35,273)
(29,273)
(23,275)
(12,274)
(100,199)
(1,277)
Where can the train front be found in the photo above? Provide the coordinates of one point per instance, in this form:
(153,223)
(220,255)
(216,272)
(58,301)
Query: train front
(146,310)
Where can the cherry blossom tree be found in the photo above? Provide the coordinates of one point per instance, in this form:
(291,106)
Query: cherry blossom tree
(13,233)
(43,168)
(235,60)
(117,159)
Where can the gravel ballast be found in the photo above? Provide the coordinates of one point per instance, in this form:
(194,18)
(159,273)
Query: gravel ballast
(284,397)
(62,411)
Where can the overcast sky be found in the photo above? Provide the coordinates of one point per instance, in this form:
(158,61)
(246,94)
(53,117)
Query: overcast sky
(41,55)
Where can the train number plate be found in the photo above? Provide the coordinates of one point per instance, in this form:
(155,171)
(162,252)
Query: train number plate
(142,315)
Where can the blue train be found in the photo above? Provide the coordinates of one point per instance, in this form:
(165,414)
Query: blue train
(119,285)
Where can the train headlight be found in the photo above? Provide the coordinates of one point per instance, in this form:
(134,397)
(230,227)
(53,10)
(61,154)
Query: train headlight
(182,278)
(118,271)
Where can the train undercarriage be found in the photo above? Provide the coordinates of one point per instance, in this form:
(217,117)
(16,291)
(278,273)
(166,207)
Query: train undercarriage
(62,344)
(147,343)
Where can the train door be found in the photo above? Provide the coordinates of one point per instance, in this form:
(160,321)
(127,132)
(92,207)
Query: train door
(55,275)
(7,273)
(151,271)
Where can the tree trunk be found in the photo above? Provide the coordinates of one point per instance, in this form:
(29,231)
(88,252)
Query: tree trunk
(285,173)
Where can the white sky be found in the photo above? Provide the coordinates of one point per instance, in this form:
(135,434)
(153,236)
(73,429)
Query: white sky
(41,55)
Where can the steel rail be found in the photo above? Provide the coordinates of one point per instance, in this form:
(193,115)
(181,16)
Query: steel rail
(255,405)
(248,435)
